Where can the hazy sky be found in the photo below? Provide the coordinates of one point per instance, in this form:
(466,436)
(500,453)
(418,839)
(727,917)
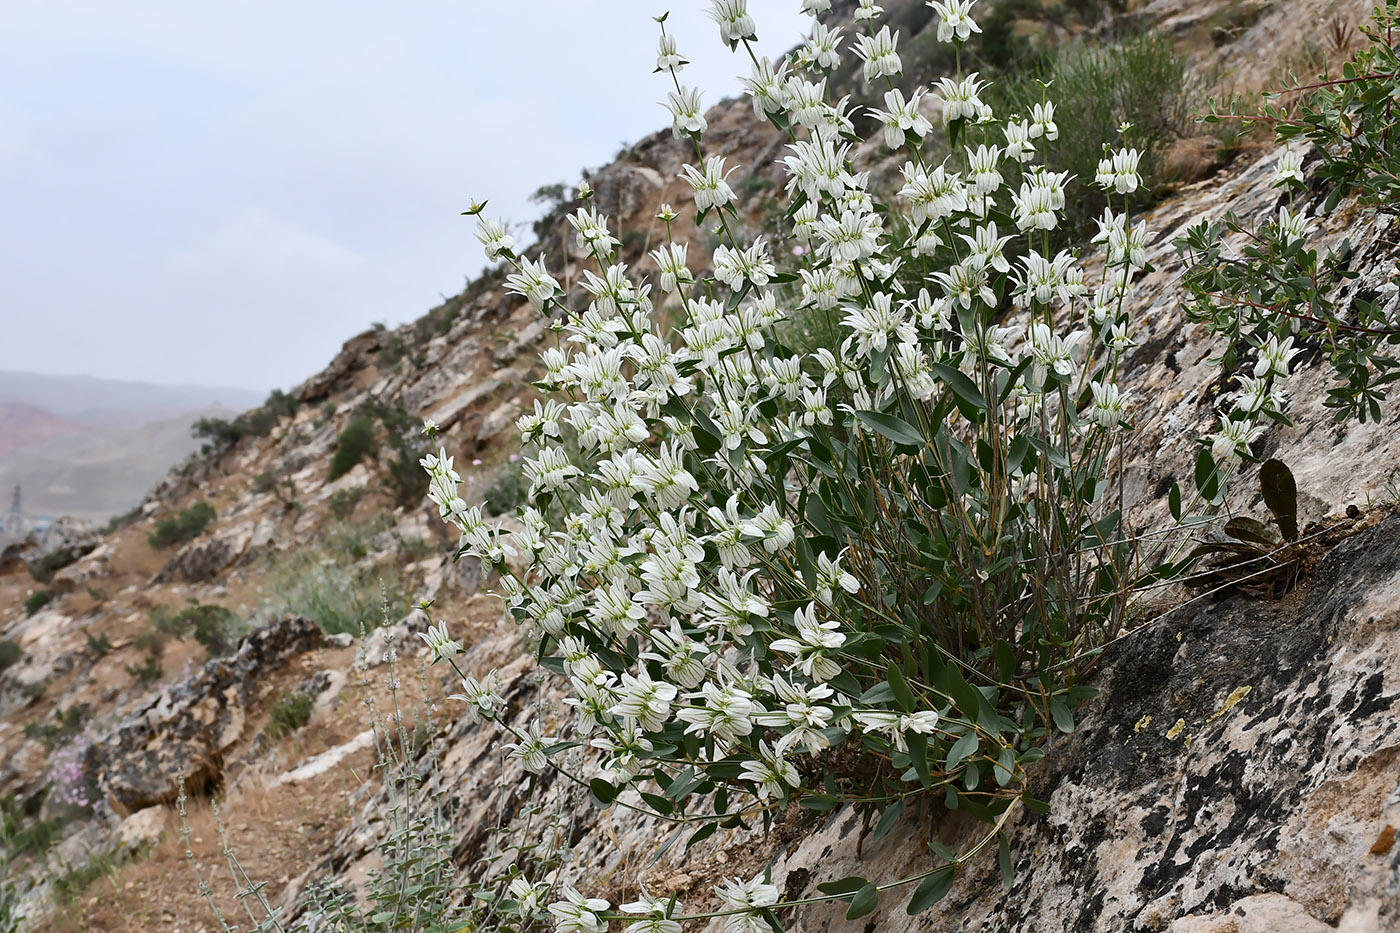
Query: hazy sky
(222,193)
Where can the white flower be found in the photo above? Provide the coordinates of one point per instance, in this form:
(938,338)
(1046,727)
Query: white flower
(867,10)
(960,100)
(1109,405)
(530,751)
(878,53)
(591,231)
(1232,441)
(985,248)
(818,167)
(657,922)
(724,712)
(750,897)
(527,896)
(770,525)
(493,237)
(670,259)
(1018,141)
(1289,169)
(982,171)
(897,726)
(534,282)
(1050,353)
(768,88)
(1292,227)
(734,267)
(954,19)
(901,118)
(437,639)
(1256,394)
(481,697)
(1043,122)
(732,16)
(1034,207)
(854,236)
(1118,172)
(831,576)
(711,186)
(1275,357)
(645,700)
(821,47)
(816,7)
(578,914)
(667,58)
(687,116)
(770,772)
(814,640)
(874,324)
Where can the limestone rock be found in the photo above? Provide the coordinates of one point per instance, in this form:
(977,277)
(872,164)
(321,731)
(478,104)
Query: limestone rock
(189,727)
(354,355)
(1258,812)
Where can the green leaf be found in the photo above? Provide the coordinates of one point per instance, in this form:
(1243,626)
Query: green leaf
(843,886)
(1060,713)
(902,694)
(1008,869)
(1174,501)
(1006,659)
(896,429)
(1280,495)
(1207,476)
(603,791)
(932,890)
(866,900)
(961,749)
(704,832)
(970,400)
(918,756)
(888,819)
(818,802)
(1252,531)
(880,693)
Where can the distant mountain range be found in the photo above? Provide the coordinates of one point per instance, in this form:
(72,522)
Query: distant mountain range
(112,401)
(91,448)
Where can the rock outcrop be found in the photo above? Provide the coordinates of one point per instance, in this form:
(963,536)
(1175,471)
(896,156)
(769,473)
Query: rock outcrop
(1238,770)
(185,730)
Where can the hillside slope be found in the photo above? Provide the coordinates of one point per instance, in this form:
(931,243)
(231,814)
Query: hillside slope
(1234,774)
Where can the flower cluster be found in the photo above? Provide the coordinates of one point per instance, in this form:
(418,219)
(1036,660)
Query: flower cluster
(743,551)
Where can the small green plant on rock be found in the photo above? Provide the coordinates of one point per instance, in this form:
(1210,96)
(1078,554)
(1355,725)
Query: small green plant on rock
(182,527)
(290,712)
(147,672)
(354,444)
(36,600)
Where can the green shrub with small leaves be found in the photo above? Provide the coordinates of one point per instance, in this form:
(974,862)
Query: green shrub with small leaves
(10,652)
(36,600)
(147,672)
(1273,297)
(290,712)
(182,527)
(354,444)
(65,724)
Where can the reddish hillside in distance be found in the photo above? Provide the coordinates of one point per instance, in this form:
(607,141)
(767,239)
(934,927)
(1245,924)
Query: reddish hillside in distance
(24,425)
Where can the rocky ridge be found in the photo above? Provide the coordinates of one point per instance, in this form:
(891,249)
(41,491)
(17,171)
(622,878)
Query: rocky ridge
(1237,772)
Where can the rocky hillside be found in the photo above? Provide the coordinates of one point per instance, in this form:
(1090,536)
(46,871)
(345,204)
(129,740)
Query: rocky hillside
(1237,772)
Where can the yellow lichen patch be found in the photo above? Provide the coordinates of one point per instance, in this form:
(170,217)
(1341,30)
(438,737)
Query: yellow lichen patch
(1237,694)
(1142,723)
(1176,729)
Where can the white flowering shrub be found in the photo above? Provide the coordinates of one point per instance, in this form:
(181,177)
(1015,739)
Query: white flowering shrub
(859,574)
